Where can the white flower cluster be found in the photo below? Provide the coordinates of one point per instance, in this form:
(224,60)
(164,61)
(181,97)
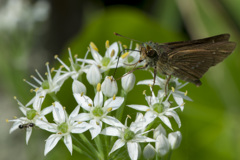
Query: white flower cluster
(102,114)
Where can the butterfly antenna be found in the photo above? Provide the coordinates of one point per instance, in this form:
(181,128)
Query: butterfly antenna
(127,37)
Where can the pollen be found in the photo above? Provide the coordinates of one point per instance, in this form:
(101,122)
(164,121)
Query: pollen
(82,94)
(36,89)
(124,55)
(107,44)
(182,104)
(15,97)
(79,122)
(150,85)
(52,69)
(46,73)
(53,104)
(41,96)
(114,97)
(125,46)
(15,117)
(90,105)
(93,46)
(97,123)
(47,63)
(173,89)
(7,120)
(109,109)
(56,56)
(112,53)
(144,92)
(75,56)
(147,110)
(24,80)
(99,87)
(61,66)
(129,116)
(64,108)
(185,94)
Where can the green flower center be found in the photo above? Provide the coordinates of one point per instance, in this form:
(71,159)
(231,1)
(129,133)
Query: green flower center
(63,127)
(31,114)
(97,111)
(130,59)
(128,134)
(45,84)
(158,107)
(105,61)
(75,67)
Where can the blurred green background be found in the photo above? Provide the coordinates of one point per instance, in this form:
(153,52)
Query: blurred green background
(32,33)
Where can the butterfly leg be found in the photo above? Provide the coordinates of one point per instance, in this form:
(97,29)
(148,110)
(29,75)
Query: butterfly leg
(166,85)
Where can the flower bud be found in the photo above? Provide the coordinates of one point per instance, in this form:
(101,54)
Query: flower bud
(162,145)
(93,75)
(128,82)
(78,87)
(175,139)
(109,87)
(149,152)
(159,130)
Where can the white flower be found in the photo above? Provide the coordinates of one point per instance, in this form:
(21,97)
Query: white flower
(129,136)
(131,57)
(174,85)
(51,84)
(31,115)
(74,69)
(158,108)
(93,75)
(62,127)
(108,61)
(109,87)
(175,139)
(128,82)
(98,111)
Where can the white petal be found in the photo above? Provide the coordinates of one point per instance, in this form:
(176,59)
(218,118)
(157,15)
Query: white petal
(149,116)
(80,128)
(178,99)
(68,142)
(96,128)
(58,113)
(149,151)
(132,150)
(159,130)
(89,61)
(74,112)
(28,134)
(51,127)
(93,75)
(111,131)
(140,138)
(47,110)
(145,82)
(78,87)
(98,99)
(175,139)
(118,144)
(83,101)
(83,117)
(114,47)
(175,116)
(96,56)
(139,107)
(166,121)
(114,104)
(51,142)
(112,121)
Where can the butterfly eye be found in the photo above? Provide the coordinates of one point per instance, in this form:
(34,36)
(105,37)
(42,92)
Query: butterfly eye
(151,53)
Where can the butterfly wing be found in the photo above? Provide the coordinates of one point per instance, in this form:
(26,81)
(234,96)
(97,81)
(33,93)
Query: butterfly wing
(190,61)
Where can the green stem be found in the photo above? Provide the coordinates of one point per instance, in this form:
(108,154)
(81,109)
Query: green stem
(89,144)
(54,96)
(119,113)
(98,143)
(169,155)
